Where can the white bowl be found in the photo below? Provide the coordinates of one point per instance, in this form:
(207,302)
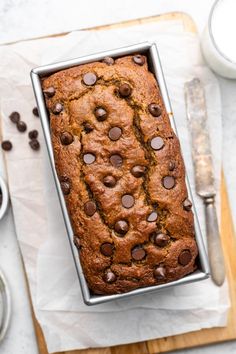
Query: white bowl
(218,39)
(5,197)
(5,306)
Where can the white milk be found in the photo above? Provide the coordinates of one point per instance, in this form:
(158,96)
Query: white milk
(219,38)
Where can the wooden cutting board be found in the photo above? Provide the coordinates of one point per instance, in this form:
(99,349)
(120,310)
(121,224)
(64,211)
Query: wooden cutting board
(202,337)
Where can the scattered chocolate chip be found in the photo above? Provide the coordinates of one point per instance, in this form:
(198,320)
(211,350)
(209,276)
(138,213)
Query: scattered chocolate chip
(89,79)
(89,158)
(90,208)
(57,108)
(66,138)
(138,253)
(160,239)
(159,273)
(125,90)
(116,160)
(35,111)
(184,257)
(154,109)
(109,181)
(14,117)
(157,143)
(6,145)
(34,144)
(49,92)
(109,276)
(107,249)
(168,182)
(100,114)
(138,171)
(171,166)
(121,227)
(21,126)
(65,184)
(152,216)
(138,59)
(115,133)
(187,205)
(87,127)
(108,61)
(127,201)
(33,134)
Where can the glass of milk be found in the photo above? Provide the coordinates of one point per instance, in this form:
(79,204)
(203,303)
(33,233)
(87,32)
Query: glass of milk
(219,38)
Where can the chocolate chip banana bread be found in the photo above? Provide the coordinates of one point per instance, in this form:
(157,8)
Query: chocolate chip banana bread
(122,175)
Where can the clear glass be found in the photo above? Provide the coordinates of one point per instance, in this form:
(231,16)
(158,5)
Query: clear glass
(218,42)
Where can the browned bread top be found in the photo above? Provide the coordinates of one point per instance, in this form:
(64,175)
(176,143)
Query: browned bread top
(122,174)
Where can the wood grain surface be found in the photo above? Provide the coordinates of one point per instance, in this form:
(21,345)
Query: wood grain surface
(198,338)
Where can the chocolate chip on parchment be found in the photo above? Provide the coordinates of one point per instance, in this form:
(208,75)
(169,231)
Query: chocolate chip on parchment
(35,111)
(33,134)
(21,126)
(14,117)
(6,145)
(34,144)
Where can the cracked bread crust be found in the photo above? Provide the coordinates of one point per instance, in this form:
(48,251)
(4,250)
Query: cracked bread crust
(130,214)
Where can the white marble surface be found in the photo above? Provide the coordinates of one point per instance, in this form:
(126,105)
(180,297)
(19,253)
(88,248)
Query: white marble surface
(21,19)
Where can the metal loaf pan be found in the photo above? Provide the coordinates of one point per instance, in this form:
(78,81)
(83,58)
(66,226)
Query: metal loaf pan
(150,50)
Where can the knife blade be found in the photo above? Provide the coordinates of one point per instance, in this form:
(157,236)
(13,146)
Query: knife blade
(204,176)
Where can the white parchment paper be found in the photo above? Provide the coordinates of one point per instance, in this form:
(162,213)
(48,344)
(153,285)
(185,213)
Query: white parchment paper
(66,322)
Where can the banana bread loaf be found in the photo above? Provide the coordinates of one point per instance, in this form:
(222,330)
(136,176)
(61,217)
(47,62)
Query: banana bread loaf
(122,175)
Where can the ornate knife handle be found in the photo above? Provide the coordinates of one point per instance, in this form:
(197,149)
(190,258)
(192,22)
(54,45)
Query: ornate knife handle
(215,253)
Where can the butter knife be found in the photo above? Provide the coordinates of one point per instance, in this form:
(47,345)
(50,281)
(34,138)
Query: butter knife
(204,177)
